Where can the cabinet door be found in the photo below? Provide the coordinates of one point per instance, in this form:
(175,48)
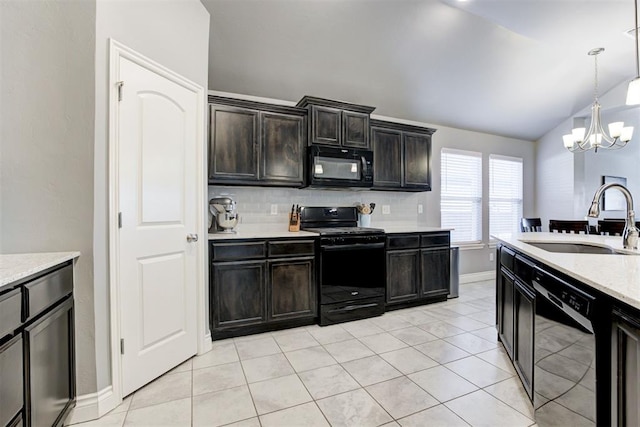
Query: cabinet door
(403,275)
(11,380)
(355,129)
(293,288)
(626,360)
(387,157)
(505,310)
(435,268)
(233,144)
(50,376)
(238,294)
(417,161)
(282,148)
(524,329)
(325,125)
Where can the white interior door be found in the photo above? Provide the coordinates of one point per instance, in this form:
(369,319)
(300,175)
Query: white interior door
(157,137)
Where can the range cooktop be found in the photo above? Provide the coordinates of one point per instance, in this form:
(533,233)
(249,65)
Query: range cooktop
(323,231)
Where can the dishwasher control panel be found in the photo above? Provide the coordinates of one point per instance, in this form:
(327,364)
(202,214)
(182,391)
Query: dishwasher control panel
(562,293)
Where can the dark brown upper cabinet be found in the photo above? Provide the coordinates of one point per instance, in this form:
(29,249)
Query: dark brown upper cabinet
(401,156)
(337,123)
(253,143)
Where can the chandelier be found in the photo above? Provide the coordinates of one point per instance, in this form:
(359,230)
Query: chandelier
(583,139)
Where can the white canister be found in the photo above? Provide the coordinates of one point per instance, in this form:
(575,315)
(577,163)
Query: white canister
(364,220)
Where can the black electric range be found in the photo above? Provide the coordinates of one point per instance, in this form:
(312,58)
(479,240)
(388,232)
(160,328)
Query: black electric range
(352,265)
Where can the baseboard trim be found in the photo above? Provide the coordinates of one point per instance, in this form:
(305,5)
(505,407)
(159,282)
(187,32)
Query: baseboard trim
(206,344)
(93,405)
(477,277)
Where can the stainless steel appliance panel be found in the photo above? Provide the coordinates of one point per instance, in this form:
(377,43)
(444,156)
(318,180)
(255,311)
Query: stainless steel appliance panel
(564,354)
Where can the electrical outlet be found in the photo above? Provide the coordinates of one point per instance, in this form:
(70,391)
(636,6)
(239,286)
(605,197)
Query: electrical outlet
(386,209)
(419,208)
(491,256)
(274,209)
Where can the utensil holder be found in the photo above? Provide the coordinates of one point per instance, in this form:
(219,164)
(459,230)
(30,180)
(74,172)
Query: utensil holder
(364,220)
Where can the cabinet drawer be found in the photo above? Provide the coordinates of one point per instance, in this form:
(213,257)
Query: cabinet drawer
(10,312)
(439,239)
(291,248)
(523,269)
(507,257)
(11,380)
(239,251)
(48,289)
(403,241)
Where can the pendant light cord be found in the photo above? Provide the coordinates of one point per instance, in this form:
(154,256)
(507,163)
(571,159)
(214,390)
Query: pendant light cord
(636,31)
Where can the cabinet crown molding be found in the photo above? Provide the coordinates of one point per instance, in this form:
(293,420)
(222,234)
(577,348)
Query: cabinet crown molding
(312,100)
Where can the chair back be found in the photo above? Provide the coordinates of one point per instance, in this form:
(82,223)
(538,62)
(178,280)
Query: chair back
(528,225)
(576,227)
(611,227)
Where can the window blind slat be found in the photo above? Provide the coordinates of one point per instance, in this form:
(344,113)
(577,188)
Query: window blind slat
(505,194)
(461,194)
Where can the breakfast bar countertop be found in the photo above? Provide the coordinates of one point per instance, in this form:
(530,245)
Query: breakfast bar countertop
(617,275)
(14,267)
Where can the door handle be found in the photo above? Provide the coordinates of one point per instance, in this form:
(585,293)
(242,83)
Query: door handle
(192,238)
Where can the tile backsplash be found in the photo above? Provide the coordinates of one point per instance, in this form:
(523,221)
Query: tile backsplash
(255,203)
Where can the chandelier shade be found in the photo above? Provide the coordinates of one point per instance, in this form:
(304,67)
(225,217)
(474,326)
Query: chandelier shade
(595,137)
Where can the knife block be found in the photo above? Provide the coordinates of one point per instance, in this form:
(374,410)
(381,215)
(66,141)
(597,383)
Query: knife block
(294,221)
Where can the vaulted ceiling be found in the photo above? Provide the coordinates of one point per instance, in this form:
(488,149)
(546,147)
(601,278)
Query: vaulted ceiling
(508,67)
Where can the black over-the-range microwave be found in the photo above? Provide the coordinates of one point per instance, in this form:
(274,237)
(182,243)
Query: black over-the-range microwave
(339,167)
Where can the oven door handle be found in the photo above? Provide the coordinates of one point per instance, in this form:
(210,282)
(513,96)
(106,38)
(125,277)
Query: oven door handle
(356,246)
(354,307)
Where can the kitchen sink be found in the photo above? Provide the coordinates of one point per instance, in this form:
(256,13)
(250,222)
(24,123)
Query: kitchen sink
(574,248)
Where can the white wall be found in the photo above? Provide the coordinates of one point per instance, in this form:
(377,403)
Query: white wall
(46,144)
(174,33)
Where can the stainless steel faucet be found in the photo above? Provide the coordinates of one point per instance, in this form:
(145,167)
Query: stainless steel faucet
(631,232)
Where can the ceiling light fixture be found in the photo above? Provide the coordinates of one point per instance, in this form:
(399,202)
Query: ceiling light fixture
(633,93)
(596,137)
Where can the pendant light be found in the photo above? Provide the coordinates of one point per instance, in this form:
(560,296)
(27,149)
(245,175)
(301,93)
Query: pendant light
(594,138)
(633,93)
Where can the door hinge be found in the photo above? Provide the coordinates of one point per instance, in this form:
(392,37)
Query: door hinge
(119,219)
(121,345)
(119,85)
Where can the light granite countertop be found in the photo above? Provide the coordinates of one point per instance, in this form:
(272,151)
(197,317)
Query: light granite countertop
(14,267)
(272,231)
(613,274)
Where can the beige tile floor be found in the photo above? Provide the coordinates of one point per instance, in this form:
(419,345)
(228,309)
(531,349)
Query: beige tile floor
(435,365)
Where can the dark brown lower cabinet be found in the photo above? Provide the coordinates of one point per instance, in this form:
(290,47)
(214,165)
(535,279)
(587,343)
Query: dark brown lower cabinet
(11,379)
(37,349)
(49,349)
(403,275)
(275,289)
(418,268)
(436,266)
(293,290)
(524,317)
(238,293)
(625,385)
(505,310)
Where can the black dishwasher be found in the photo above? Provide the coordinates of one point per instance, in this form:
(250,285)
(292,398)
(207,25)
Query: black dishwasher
(565,351)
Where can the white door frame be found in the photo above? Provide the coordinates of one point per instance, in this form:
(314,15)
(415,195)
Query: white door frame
(117,51)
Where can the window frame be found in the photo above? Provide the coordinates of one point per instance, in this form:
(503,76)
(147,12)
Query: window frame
(477,201)
(491,199)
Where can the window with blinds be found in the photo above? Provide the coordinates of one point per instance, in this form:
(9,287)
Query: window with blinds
(505,195)
(461,194)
